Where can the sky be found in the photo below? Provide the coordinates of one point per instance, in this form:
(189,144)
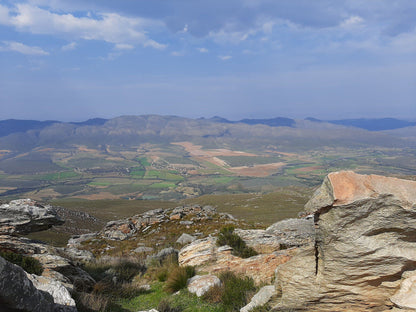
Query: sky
(72,60)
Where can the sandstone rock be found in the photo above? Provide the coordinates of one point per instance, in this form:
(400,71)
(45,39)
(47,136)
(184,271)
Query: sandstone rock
(18,292)
(365,240)
(200,284)
(23,216)
(212,259)
(185,239)
(261,298)
(405,297)
(61,296)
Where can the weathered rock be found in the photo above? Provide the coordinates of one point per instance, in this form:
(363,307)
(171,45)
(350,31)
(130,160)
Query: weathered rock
(200,284)
(185,239)
(61,296)
(365,240)
(259,299)
(23,216)
(18,292)
(405,297)
(213,259)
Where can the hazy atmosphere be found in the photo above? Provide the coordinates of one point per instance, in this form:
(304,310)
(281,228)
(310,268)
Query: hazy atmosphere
(73,60)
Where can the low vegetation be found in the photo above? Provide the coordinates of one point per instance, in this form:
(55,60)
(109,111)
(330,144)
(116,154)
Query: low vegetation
(29,264)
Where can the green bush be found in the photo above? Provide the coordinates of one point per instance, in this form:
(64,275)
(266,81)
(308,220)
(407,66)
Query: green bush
(240,248)
(178,278)
(236,290)
(29,264)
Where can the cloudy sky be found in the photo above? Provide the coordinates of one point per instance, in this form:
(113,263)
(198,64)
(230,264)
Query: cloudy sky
(77,59)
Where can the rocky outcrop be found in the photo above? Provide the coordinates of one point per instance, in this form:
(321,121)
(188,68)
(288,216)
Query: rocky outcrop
(201,284)
(126,228)
(365,241)
(24,216)
(210,258)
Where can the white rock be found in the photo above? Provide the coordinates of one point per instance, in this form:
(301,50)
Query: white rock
(199,285)
(259,299)
(185,239)
(60,294)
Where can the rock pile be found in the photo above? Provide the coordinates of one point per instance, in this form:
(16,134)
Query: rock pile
(365,248)
(126,228)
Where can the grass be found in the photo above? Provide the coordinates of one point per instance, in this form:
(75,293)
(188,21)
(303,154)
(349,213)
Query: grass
(178,278)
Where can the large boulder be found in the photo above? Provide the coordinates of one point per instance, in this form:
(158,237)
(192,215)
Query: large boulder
(365,241)
(24,216)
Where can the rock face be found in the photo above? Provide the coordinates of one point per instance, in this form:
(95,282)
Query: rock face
(365,241)
(23,216)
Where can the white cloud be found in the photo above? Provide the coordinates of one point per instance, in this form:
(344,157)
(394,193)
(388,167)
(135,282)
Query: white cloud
(352,21)
(22,48)
(124,46)
(109,27)
(69,47)
(225,57)
(203,50)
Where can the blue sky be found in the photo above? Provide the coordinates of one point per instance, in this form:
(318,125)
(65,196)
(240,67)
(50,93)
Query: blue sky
(78,59)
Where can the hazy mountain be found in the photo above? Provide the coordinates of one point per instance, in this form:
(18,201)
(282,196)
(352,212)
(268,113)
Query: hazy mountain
(374,124)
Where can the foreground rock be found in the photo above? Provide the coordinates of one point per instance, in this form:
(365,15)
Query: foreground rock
(365,241)
(24,216)
(18,292)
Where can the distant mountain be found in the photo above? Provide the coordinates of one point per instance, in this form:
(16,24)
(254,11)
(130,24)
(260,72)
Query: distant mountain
(371,124)
(91,122)
(10,126)
(272,122)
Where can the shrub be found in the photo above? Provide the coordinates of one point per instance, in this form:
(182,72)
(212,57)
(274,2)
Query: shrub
(178,278)
(29,264)
(125,271)
(236,290)
(240,248)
